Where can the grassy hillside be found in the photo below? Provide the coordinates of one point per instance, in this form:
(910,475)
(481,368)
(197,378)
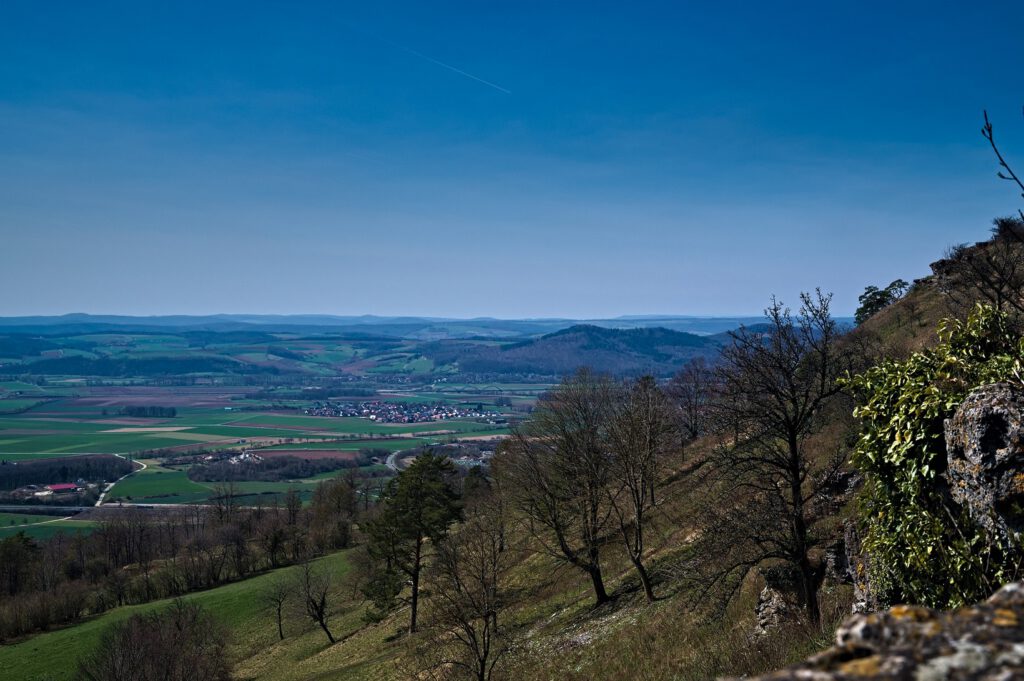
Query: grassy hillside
(52,656)
(911,323)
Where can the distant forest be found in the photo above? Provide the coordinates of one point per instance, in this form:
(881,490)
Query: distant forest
(93,468)
(614,351)
(149,412)
(251,353)
(272,469)
(156,366)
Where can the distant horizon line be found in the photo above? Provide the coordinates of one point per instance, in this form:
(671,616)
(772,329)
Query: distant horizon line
(352,316)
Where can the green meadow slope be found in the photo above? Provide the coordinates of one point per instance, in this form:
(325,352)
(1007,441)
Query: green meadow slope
(52,656)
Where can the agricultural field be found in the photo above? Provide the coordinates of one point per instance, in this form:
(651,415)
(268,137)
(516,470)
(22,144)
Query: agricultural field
(80,426)
(14,519)
(158,484)
(154,424)
(40,526)
(44,529)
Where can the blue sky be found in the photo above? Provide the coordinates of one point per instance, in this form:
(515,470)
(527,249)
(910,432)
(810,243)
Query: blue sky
(512,159)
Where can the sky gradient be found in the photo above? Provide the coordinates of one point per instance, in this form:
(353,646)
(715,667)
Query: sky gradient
(513,159)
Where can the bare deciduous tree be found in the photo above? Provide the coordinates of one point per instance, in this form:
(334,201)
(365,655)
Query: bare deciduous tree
(180,643)
(558,470)
(467,584)
(641,431)
(1005,171)
(774,387)
(690,391)
(313,587)
(276,596)
(992,271)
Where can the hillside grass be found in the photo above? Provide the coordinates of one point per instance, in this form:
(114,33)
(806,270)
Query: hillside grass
(52,656)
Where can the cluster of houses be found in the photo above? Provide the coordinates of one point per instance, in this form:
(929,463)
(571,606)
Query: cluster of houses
(473,458)
(60,491)
(384,411)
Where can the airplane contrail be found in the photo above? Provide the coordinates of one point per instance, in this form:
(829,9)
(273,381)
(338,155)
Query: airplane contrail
(452,68)
(430,59)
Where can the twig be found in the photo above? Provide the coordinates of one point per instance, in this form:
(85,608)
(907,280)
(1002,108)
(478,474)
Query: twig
(986,132)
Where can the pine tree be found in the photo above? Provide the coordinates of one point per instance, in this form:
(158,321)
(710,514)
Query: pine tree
(417,508)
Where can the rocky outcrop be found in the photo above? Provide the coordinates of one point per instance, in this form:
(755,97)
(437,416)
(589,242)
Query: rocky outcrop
(985,457)
(779,600)
(981,643)
(984,475)
(858,570)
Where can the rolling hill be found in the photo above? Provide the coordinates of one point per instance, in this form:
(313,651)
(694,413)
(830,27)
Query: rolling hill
(616,351)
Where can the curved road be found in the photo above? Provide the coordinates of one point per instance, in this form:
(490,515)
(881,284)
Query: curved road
(109,487)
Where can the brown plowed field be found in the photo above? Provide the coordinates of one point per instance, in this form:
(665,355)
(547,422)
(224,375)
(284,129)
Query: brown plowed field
(310,453)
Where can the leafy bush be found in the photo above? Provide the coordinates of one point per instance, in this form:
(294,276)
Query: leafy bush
(923,548)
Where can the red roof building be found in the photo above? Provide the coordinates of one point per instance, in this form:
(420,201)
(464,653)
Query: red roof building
(62,487)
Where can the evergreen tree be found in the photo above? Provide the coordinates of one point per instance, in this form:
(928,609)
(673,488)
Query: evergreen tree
(417,507)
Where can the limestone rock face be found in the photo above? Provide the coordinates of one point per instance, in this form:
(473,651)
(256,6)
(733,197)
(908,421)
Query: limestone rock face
(985,457)
(981,643)
(778,601)
(858,567)
(781,599)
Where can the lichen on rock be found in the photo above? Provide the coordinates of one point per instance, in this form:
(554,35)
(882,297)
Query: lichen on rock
(984,642)
(985,454)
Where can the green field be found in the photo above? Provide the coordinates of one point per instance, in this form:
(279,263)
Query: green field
(10,519)
(52,656)
(47,529)
(17,404)
(63,427)
(39,526)
(157,484)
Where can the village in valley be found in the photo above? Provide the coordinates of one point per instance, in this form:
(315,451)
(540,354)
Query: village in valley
(383,411)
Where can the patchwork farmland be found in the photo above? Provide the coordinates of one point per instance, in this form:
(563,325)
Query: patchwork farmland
(67,420)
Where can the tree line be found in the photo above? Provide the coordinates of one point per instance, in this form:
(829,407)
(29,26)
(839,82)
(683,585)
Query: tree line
(93,468)
(148,411)
(272,469)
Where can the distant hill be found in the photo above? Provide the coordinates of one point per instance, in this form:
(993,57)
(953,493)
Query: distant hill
(408,328)
(616,351)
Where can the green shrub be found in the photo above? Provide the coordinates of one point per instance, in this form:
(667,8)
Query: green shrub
(922,547)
